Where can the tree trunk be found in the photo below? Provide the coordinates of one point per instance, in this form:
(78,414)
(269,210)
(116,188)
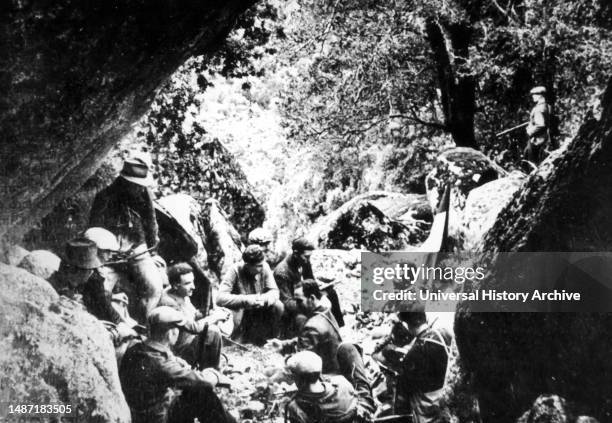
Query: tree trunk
(457,91)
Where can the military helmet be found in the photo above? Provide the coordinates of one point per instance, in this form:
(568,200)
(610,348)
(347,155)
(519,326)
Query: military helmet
(260,236)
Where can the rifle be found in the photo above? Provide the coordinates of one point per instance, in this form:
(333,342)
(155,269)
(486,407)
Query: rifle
(514,128)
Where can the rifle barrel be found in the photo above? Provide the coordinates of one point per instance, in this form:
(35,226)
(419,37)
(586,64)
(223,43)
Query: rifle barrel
(511,129)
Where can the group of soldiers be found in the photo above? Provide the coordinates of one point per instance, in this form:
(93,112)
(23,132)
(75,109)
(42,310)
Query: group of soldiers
(169,351)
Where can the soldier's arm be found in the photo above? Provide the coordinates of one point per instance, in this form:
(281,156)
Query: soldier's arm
(150,220)
(270,293)
(285,294)
(181,375)
(308,339)
(537,125)
(225,297)
(295,414)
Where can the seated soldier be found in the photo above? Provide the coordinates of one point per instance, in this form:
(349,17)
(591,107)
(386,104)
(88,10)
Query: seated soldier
(288,275)
(79,278)
(320,332)
(199,341)
(423,370)
(330,399)
(250,291)
(149,370)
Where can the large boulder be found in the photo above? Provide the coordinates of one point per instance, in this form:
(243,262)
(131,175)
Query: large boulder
(464,169)
(75,77)
(565,205)
(53,351)
(41,263)
(375,221)
(482,206)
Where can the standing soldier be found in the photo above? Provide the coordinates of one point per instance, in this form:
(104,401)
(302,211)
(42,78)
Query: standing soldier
(125,208)
(538,128)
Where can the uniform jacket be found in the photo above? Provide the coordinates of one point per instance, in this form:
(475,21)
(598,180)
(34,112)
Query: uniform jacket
(338,403)
(539,124)
(131,218)
(147,371)
(320,335)
(237,287)
(192,326)
(288,274)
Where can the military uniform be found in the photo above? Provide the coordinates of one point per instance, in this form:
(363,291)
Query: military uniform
(147,373)
(338,403)
(236,292)
(538,128)
(198,343)
(422,374)
(131,218)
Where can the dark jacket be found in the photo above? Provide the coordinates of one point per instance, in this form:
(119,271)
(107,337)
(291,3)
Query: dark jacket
(130,217)
(237,287)
(147,372)
(321,335)
(338,403)
(288,274)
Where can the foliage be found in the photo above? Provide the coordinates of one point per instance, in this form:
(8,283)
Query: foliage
(388,72)
(186,158)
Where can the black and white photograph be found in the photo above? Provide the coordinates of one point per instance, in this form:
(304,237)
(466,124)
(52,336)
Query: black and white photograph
(306,211)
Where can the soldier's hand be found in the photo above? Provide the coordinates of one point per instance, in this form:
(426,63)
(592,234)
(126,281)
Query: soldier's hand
(218,315)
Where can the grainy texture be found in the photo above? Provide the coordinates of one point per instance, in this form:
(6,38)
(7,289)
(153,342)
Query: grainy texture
(74,76)
(53,351)
(564,206)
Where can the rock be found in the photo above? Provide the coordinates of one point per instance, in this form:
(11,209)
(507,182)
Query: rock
(482,206)
(223,241)
(465,169)
(565,205)
(13,255)
(375,221)
(41,263)
(53,351)
(77,75)
(547,409)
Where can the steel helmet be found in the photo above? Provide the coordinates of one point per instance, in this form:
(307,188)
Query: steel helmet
(103,238)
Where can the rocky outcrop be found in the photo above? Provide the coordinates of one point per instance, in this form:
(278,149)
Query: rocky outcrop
(75,76)
(375,221)
(483,205)
(464,169)
(53,351)
(41,263)
(552,409)
(513,357)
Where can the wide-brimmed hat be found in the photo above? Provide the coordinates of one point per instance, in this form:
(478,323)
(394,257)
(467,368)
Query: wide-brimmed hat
(305,362)
(104,239)
(82,253)
(137,169)
(538,90)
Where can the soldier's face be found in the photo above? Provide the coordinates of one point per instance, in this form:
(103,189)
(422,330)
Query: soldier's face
(173,335)
(254,268)
(185,286)
(304,257)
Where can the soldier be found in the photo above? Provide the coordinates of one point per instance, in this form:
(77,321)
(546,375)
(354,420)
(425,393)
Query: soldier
(538,128)
(149,370)
(199,341)
(79,278)
(125,208)
(423,370)
(330,399)
(320,333)
(289,274)
(250,291)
